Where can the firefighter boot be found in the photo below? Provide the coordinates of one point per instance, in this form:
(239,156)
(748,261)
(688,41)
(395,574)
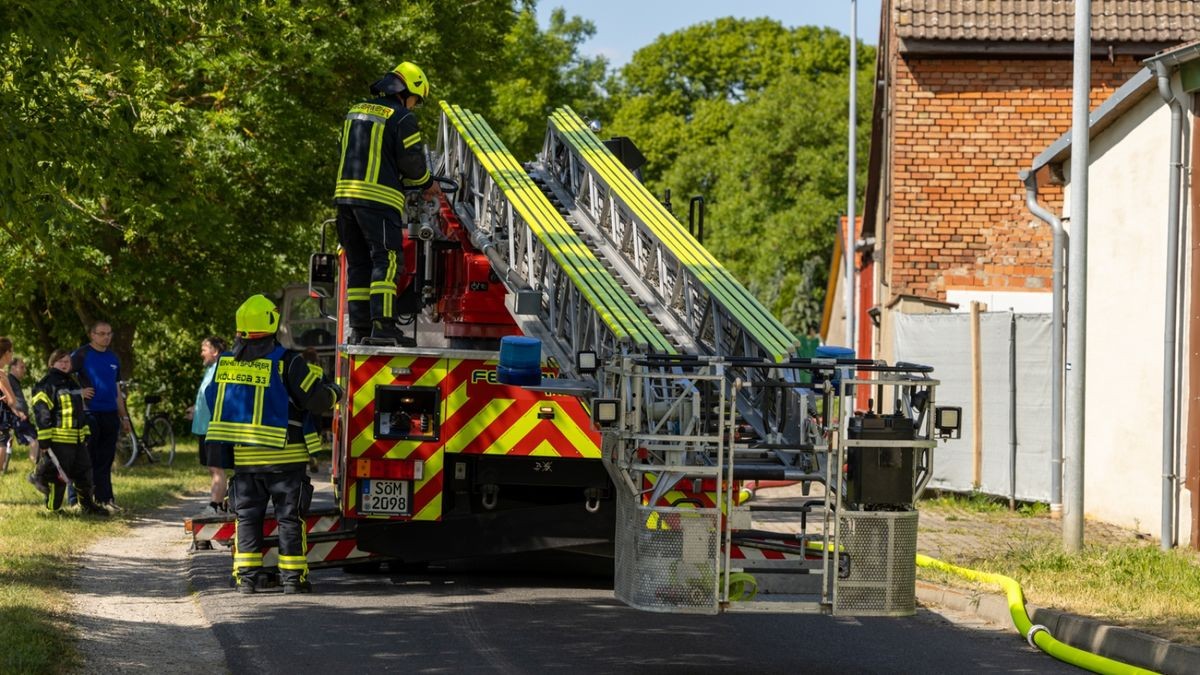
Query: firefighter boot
(290,587)
(87,504)
(387,332)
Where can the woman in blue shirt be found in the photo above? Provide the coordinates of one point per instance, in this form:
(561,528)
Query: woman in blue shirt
(216,457)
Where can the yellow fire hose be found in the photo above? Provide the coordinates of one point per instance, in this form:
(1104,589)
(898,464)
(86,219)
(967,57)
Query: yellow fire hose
(1036,635)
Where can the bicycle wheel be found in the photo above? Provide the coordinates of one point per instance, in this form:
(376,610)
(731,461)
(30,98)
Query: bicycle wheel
(161,437)
(127,449)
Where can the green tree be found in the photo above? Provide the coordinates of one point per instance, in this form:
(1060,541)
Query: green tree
(160,161)
(752,115)
(544,70)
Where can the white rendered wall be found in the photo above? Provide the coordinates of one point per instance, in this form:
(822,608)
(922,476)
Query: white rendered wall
(1127,246)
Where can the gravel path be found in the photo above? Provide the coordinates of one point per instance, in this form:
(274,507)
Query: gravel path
(134,605)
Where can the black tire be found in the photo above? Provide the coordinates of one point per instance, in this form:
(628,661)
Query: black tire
(160,438)
(127,449)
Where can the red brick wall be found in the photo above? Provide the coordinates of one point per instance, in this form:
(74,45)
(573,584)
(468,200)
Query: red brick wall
(962,130)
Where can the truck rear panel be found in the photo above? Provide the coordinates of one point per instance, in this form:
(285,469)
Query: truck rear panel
(432,436)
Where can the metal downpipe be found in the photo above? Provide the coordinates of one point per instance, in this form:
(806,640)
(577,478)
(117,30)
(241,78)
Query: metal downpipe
(1171,309)
(1056,335)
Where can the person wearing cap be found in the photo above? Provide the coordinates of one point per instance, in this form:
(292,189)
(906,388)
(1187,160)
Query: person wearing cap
(260,396)
(381,156)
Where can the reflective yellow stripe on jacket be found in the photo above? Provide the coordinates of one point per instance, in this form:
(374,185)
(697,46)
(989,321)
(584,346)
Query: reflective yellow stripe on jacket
(251,455)
(360,189)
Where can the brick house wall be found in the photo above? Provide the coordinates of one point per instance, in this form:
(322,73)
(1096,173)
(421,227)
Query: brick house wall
(961,130)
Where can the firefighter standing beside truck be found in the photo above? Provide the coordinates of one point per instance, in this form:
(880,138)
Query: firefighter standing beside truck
(260,397)
(382,154)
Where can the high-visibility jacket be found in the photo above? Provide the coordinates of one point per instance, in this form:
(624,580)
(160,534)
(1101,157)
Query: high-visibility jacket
(250,402)
(260,399)
(382,154)
(58,410)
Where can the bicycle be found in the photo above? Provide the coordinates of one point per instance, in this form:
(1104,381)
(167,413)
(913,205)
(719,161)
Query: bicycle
(157,439)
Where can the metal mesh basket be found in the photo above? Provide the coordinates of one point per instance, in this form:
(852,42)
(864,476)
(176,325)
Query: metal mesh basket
(882,548)
(666,557)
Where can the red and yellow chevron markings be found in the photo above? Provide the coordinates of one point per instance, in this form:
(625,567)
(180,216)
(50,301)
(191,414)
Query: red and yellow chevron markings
(478,416)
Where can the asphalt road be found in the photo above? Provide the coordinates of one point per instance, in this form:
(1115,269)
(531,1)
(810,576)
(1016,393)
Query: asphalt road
(530,616)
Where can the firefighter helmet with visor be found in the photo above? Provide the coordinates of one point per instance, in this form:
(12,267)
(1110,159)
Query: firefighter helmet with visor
(257,314)
(404,78)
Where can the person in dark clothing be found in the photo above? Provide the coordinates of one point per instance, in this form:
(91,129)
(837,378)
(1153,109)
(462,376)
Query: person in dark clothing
(24,433)
(59,416)
(382,155)
(260,396)
(99,370)
(13,411)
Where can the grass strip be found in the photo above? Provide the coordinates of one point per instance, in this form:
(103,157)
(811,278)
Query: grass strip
(38,549)
(1122,580)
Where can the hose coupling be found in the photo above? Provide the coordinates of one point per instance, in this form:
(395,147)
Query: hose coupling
(1033,631)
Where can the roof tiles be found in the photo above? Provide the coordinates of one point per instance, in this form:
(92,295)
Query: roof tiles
(1046,20)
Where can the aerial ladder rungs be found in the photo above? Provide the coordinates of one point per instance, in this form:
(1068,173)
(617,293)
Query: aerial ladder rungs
(747,310)
(552,236)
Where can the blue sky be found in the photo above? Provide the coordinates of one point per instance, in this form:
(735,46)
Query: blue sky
(622,26)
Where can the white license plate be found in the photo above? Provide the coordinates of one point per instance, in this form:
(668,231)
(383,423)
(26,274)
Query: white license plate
(386,497)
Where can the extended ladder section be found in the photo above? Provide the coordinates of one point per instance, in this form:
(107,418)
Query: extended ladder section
(580,305)
(711,303)
(720,315)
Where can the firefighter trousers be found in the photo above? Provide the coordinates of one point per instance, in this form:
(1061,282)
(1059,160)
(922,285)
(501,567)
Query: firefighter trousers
(373,239)
(76,462)
(250,492)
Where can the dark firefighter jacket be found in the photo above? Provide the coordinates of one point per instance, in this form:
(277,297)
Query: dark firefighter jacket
(382,154)
(58,410)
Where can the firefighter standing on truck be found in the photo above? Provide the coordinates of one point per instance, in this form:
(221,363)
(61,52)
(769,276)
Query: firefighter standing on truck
(260,397)
(382,155)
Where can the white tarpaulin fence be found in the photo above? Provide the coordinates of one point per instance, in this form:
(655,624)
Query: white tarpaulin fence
(944,342)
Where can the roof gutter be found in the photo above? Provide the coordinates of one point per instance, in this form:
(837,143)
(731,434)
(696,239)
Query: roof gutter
(1057,335)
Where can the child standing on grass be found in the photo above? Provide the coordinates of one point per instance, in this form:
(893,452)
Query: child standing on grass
(62,432)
